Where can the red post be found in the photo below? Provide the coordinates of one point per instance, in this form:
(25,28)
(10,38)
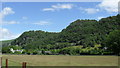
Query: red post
(1,61)
(6,63)
(25,64)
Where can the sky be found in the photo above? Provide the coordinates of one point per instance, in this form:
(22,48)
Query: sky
(18,17)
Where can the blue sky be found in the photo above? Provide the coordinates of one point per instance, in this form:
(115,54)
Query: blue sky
(18,17)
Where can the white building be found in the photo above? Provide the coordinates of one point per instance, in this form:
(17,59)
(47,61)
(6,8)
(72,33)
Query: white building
(13,51)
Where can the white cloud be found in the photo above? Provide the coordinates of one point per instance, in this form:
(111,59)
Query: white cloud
(8,22)
(100,18)
(109,5)
(42,23)
(5,34)
(6,11)
(106,5)
(24,18)
(48,9)
(91,10)
(62,6)
(59,7)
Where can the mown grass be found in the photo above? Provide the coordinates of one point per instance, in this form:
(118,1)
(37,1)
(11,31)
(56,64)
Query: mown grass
(60,60)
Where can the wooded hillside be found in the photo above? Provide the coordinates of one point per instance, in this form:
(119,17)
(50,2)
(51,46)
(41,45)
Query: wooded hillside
(85,34)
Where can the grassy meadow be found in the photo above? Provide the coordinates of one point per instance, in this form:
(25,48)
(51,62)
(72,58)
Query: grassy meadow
(60,60)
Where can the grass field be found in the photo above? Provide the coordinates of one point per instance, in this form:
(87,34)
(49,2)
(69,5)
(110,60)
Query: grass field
(60,60)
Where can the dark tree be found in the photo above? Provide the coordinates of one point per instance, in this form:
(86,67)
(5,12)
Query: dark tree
(113,42)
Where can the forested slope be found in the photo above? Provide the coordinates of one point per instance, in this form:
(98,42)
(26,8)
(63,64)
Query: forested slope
(85,33)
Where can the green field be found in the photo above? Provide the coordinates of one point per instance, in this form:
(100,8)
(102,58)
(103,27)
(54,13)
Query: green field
(60,60)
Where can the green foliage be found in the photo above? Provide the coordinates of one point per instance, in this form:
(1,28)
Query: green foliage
(5,49)
(24,52)
(6,43)
(79,50)
(113,42)
(17,52)
(15,47)
(55,51)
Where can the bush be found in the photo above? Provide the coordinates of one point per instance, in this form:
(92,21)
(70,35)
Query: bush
(17,52)
(6,50)
(108,53)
